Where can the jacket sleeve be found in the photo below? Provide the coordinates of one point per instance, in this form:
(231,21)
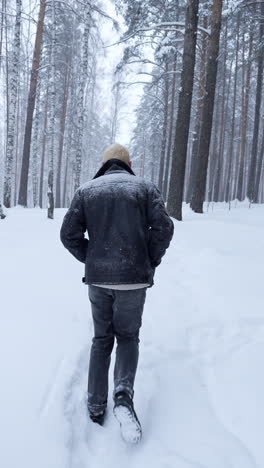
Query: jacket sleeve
(73,229)
(161,226)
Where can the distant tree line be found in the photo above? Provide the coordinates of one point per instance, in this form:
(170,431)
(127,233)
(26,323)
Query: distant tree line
(199,132)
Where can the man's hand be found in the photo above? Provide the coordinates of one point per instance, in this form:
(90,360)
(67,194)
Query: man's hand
(73,229)
(161,227)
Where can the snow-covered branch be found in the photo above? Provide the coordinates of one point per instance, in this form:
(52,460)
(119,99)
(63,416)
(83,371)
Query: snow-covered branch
(162,27)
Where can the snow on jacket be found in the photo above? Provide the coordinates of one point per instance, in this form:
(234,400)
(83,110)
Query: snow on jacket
(128,227)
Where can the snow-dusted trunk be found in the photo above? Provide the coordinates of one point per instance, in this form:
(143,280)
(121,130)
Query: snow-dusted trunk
(43,150)
(171,126)
(18,126)
(51,129)
(35,151)
(221,130)
(70,138)
(224,137)
(89,121)
(22,199)
(11,123)
(3,10)
(177,177)
(116,102)
(62,132)
(251,190)
(80,103)
(208,107)
(245,117)
(229,178)
(259,178)
(165,125)
(213,157)
(243,80)
(198,115)
(65,187)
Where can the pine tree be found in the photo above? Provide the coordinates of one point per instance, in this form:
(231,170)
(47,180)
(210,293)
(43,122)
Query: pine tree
(23,195)
(208,107)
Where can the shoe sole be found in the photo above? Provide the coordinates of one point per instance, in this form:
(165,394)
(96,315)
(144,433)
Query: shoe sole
(130,427)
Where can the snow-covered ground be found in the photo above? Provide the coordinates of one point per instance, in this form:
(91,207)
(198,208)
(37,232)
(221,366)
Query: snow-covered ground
(200,386)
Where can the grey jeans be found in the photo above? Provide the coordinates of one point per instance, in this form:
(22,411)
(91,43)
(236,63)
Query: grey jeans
(116,314)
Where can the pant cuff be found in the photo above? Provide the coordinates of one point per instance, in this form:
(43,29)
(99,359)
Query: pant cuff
(124,388)
(96,408)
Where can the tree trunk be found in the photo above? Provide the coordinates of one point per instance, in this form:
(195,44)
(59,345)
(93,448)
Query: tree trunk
(254,152)
(116,103)
(231,146)
(18,126)
(41,183)
(80,105)
(224,106)
(3,11)
(165,124)
(64,198)
(35,151)
(51,131)
(219,190)
(172,108)
(22,199)
(258,172)
(12,97)
(62,132)
(213,155)
(208,107)
(241,176)
(195,145)
(177,177)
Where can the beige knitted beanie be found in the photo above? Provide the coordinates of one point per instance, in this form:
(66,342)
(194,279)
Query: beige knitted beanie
(118,152)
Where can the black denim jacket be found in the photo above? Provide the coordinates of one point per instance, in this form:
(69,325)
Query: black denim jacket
(128,227)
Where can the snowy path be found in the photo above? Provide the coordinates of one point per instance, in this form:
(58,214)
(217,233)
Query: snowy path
(200,385)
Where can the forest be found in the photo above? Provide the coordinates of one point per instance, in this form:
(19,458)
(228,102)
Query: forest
(198,127)
(160,285)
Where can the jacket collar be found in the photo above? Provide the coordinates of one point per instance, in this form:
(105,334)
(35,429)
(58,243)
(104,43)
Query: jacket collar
(113,165)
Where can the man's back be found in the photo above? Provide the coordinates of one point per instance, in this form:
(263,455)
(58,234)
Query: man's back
(127,224)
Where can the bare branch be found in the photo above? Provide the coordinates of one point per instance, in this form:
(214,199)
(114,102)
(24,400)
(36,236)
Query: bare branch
(26,17)
(161,27)
(145,61)
(134,82)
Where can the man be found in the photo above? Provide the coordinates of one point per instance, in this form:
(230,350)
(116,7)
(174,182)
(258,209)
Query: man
(129,231)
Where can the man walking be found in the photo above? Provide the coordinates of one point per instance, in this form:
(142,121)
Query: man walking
(129,231)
